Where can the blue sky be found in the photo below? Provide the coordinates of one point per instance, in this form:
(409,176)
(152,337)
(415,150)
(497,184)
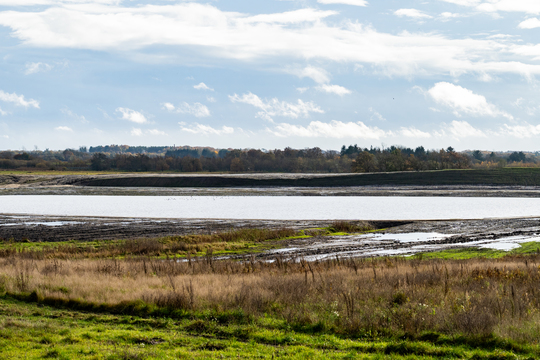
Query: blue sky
(270,74)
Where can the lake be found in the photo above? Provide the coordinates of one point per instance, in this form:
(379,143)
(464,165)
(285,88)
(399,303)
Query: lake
(273,207)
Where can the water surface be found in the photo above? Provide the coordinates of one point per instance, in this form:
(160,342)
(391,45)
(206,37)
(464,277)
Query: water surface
(272,207)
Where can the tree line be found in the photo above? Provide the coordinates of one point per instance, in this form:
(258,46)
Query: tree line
(351,158)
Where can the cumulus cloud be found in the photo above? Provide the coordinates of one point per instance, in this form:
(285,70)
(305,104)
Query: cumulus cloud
(520,131)
(316,74)
(332,129)
(344,2)
(531,23)
(333,89)
(132,115)
(63,128)
(462,129)
(201,129)
(274,107)
(463,2)
(54,2)
(448,15)
(202,86)
(526,6)
(218,35)
(412,13)
(18,100)
(3,113)
(155,132)
(463,101)
(33,68)
(413,132)
(136,132)
(197,109)
(290,17)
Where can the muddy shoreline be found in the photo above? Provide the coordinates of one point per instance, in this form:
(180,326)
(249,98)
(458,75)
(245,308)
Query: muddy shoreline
(451,234)
(442,191)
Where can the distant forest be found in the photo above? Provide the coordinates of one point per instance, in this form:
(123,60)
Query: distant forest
(206,159)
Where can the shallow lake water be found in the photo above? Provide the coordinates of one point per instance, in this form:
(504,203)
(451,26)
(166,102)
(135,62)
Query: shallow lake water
(273,207)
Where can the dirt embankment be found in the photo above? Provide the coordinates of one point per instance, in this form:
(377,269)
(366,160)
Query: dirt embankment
(273,184)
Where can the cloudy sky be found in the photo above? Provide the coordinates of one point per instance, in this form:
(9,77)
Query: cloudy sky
(270,74)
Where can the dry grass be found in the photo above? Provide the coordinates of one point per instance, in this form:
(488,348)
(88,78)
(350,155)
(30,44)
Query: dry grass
(354,296)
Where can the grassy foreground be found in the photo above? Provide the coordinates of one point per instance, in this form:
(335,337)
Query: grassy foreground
(155,298)
(35,331)
(139,308)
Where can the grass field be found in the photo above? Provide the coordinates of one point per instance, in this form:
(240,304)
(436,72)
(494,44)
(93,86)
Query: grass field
(36,331)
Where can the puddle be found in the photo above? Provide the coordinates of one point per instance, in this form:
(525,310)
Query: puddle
(410,237)
(48,223)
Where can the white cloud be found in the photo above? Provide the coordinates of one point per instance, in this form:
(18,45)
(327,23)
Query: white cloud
(290,17)
(5,136)
(54,2)
(132,115)
(63,128)
(202,86)
(218,35)
(531,23)
(463,101)
(71,114)
(345,2)
(206,129)
(302,90)
(18,100)
(3,113)
(412,13)
(274,107)
(333,129)
(520,131)
(136,132)
(197,109)
(412,132)
(333,89)
(169,106)
(155,132)
(33,68)
(449,15)
(316,74)
(376,115)
(526,6)
(462,129)
(210,99)
(463,2)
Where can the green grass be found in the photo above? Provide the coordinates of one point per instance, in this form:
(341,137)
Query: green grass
(32,331)
(472,252)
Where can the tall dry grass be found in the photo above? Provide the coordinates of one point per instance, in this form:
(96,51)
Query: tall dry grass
(354,296)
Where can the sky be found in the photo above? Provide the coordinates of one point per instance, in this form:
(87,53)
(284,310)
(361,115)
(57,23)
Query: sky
(270,74)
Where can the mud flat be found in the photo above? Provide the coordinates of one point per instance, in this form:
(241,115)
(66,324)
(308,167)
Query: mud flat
(393,237)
